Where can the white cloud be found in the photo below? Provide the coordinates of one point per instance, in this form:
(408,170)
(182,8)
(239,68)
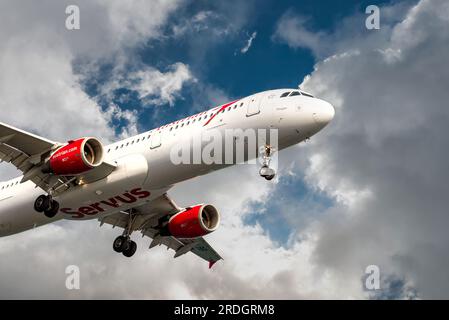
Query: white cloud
(249,42)
(39,92)
(203,21)
(133,22)
(297,31)
(292,30)
(159,88)
(37,55)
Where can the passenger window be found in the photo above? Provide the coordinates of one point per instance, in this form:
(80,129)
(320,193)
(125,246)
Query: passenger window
(285,94)
(294,93)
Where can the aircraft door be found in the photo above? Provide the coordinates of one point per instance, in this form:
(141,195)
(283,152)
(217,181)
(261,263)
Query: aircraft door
(155,140)
(253,105)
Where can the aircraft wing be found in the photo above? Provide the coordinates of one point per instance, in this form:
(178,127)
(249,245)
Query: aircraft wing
(24,141)
(27,152)
(146,220)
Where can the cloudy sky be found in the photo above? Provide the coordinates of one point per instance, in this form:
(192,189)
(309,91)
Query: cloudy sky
(371,189)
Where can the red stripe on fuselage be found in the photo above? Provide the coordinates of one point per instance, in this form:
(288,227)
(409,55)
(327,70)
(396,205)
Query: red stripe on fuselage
(219,110)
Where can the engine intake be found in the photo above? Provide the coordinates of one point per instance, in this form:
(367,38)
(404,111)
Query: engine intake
(78,156)
(194,222)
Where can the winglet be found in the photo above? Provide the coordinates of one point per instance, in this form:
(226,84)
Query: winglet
(211,263)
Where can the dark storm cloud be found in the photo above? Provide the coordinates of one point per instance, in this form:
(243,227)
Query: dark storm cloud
(386,152)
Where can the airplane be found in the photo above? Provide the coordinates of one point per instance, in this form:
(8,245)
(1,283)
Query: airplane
(125,184)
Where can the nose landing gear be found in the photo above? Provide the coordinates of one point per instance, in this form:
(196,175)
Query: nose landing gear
(47,205)
(265,171)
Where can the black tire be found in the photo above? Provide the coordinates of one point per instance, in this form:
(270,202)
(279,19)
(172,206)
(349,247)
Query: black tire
(120,243)
(42,203)
(53,210)
(129,252)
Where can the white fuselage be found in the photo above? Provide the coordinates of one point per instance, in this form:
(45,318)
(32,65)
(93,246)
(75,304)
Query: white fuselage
(145,169)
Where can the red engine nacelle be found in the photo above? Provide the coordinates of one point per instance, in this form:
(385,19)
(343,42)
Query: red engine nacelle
(76,157)
(194,222)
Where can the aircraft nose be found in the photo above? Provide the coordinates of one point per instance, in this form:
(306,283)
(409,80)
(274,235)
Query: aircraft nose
(324,113)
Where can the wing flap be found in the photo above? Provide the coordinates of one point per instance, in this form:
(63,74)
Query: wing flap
(198,246)
(203,250)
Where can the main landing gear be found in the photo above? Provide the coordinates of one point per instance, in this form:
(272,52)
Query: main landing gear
(123,244)
(47,205)
(265,171)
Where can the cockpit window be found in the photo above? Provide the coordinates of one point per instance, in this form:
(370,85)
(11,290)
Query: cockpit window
(306,94)
(294,93)
(285,94)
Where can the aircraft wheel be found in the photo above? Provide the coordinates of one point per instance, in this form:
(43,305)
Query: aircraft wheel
(120,243)
(42,203)
(267,173)
(129,252)
(264,171)
(53,210)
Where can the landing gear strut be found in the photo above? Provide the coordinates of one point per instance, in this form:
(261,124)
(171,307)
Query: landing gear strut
(265,171)
(123,244)
(47,205)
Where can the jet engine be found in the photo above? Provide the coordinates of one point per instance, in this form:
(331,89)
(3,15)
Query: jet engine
(76,157)
(194,222)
